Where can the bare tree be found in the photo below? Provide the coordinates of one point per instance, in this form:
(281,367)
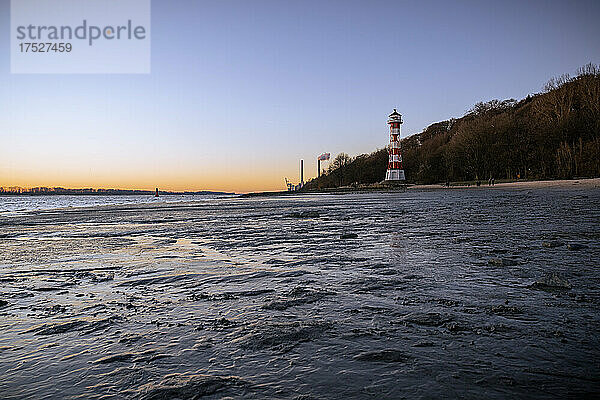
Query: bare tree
(339,165)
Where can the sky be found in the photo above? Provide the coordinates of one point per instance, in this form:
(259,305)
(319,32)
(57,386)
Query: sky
(240,91)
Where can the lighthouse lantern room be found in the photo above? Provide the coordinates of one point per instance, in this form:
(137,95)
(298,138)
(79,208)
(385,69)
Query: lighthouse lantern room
(395,172)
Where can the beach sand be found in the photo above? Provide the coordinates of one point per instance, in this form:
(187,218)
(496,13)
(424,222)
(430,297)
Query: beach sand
(559,183)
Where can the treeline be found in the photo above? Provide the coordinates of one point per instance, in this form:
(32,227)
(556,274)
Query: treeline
(553,134)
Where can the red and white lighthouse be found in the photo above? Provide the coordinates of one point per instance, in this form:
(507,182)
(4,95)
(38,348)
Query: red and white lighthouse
(395,171)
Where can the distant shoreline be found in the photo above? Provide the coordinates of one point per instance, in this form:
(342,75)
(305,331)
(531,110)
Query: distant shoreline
(114,193)
(588,183)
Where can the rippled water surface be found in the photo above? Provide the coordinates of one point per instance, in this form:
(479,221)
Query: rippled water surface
(471,294)
(16,204)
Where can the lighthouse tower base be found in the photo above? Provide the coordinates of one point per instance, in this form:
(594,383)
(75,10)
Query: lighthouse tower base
(394,175)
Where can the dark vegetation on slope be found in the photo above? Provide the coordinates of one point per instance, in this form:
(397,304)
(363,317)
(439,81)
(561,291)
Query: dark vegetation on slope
(550,135)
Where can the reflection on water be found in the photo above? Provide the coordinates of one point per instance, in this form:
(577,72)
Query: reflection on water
(476,294)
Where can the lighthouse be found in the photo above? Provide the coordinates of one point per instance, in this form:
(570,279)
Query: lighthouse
(395,172)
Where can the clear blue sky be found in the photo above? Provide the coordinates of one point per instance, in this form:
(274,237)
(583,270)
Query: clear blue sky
(241,90)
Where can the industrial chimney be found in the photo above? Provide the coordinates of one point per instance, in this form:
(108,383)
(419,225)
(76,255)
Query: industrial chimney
(322,157)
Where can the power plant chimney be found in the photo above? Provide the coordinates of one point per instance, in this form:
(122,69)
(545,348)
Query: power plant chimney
(322,157)
(301,173)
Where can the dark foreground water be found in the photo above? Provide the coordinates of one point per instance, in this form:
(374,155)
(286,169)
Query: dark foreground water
(468,293)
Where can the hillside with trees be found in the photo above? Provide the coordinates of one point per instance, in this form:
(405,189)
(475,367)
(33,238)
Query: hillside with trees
(550,135)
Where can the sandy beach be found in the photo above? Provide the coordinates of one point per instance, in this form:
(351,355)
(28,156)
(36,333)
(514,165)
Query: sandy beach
(591,183)
(587,183)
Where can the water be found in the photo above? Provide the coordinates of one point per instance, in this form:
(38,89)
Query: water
(12,204)
(440,294)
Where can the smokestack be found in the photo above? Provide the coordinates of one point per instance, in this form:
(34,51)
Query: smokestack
(322,157)
(301,173)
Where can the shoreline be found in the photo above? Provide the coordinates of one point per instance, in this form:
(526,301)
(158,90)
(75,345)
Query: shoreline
(587,183)
(521,184)
(113,194)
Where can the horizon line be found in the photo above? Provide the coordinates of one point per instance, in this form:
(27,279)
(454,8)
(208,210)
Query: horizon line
(50,189)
